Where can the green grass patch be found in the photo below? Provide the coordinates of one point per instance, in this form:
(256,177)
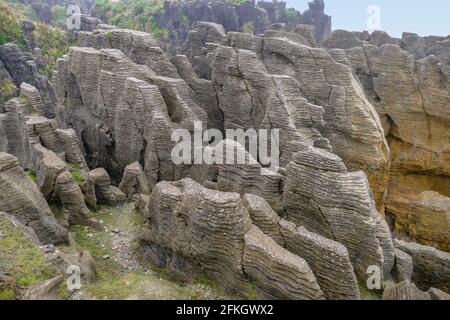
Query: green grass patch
(32,175)
(76,173)
(21,258)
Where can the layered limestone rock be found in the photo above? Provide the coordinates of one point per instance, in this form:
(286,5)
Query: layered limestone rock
(277,273)
(430,220)
(193,229)
(314,82)
(431,267)
(21,198)
(29,92)
(100,188)
(316,16)
(22,68)
(13,133)
(405,291)
(329,260)
(60,188)
(412,98)
(403,267)
(139,47)
(321,195)
(128,115)
(134,181)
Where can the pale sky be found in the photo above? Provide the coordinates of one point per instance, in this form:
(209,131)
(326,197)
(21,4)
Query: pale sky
(430,17)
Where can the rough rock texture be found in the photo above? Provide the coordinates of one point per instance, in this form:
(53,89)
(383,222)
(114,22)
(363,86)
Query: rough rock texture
(403,267)
(437,294)
(104,192)
(328,259)
(134,181)
(405,291)
(276,272)
(430,220)
(30,93)
(192,229)
(313,83)
(431,267)
(111,135)
(13,132)
(21,198)
(22,68)
(321,195)
(412,99)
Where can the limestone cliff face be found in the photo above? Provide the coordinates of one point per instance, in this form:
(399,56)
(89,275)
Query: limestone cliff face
(411,92)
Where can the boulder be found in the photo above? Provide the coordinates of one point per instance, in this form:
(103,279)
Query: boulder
(431,267)
(429,219)
(134,181)
(405,290)
(276,272)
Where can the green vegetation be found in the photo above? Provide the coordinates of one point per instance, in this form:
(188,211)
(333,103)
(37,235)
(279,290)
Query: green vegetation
(249,27)
(137,15)
(20,258)
(10,28)
(7,89)
(291,15)
(32,175)
(76,173)
(54,44)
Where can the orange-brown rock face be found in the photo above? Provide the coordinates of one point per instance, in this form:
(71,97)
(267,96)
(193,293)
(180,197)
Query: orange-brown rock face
(412,98)
(430,220)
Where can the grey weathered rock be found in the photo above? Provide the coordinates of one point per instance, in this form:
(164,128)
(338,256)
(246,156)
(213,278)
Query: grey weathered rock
(321,195)
(405,291)
(437,294)
(134,181)
(403,267)
(13,133)
(21,198)
(329,261)
(276,272)
(192,229)
(431,267)
(30,93)
(112,136)
(22,68)
(105,193)
(316,16)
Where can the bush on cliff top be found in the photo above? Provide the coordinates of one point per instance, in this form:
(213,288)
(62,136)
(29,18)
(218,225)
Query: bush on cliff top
(10,29)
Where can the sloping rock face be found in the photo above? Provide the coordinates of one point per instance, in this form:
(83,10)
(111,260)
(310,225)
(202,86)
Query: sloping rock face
(21,198)
(312,78)
(124,112)
(321,195)
(410,91)
(405,291)
(431,267)
(13,132)
(22,68)
(97,94)
(329,260)
(270,266)
(193,229)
